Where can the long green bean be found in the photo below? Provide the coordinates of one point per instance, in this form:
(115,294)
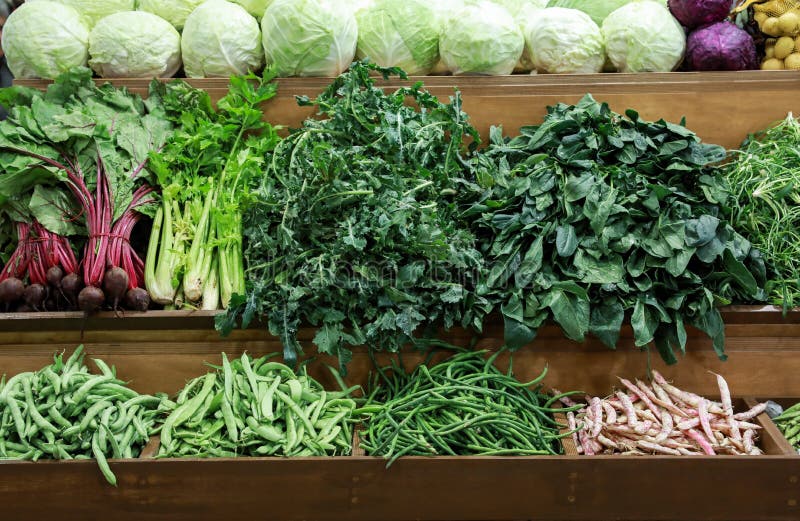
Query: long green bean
(461,406)
(789,424)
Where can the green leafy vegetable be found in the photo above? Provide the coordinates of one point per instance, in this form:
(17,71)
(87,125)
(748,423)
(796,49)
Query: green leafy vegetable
(765,179)
(205,172)
(94,140)
(592,215)
(355,229)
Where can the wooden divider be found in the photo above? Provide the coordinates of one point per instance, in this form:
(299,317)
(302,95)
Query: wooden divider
(549,488)
(159,351)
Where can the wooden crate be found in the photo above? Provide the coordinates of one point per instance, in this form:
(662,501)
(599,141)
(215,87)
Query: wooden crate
(598,488)
(722,107)
(159,351)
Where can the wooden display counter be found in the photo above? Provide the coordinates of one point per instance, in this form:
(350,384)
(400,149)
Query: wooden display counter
(158,351)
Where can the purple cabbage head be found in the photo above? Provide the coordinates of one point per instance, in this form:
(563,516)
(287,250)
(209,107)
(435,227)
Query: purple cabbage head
(720,47)
(694,13)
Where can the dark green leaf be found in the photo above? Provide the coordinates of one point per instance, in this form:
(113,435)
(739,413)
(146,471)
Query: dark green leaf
(711,324)
(644,323)
(571,312)
(606,322)
(739,272)
(566,240)
(701,231)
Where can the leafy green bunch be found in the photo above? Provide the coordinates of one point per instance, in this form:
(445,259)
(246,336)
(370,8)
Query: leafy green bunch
(765,179)
(205,172)
(72,127)
(356,227)
(591,216)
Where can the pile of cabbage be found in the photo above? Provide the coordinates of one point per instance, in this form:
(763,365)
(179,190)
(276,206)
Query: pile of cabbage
(219,38)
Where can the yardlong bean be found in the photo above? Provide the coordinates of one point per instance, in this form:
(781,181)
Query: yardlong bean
(461,406)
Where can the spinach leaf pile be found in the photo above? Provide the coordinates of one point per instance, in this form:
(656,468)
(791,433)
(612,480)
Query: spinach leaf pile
(356,228)
(592,215)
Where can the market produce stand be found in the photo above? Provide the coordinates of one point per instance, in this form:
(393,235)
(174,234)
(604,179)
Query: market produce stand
(161,350)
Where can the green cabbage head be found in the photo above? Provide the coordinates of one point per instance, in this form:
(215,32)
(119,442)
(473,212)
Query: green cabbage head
(309,37)
(399,34)
(221,39)
(174,11)
(93,10)
(254,7)
(524,12)
(644,37)
(597,9)
(563,41)
(134,44)
(517,8)
(481,38)
(43,39)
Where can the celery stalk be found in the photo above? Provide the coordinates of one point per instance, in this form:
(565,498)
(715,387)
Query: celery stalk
(211,288)
(164,254)
(198,262)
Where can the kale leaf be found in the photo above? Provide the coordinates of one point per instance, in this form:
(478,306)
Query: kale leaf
(356,227)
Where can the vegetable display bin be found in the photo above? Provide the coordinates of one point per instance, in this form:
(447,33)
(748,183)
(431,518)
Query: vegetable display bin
(721,107)
(161,350)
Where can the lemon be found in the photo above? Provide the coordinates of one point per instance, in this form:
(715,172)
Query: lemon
(770,27)
(788,22)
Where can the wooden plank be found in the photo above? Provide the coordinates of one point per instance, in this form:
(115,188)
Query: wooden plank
(772,440)
(469,488)
(198,319)
(154,320)
(519,100)
(163,361)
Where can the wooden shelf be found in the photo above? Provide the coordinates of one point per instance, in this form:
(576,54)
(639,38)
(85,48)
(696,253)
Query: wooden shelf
(722,107)
(159,351)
